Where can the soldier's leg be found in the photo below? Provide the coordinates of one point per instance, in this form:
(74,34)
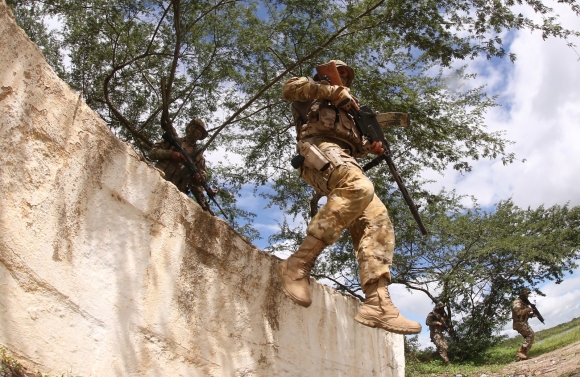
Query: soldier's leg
(528,335)
(374,242)
(348,191)
(521,329)
(442,348)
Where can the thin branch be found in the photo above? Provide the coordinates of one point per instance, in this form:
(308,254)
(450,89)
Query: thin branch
(257,111)
(408,285)
(350,291)
(213,55)
(292,66)
(177,49)
(157,28)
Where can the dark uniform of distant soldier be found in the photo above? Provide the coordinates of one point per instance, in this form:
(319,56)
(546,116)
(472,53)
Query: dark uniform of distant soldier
(437,322)
(170,161)
(329,141)
(521,312)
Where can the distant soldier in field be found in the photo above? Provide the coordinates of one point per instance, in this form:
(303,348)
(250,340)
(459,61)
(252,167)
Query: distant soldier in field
(521,312)
(170,161)
(437,322)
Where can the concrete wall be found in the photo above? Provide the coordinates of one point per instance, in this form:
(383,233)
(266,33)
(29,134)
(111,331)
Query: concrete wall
(107,270)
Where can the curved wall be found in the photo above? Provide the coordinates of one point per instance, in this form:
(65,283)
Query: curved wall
(106,269)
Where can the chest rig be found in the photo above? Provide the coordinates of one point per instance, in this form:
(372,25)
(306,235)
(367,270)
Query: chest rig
(321,119)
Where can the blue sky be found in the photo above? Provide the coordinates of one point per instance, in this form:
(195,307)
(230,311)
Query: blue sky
(540,112)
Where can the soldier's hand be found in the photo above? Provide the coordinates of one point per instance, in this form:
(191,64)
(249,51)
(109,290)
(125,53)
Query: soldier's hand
(341,98)
(377,147)
(176,156)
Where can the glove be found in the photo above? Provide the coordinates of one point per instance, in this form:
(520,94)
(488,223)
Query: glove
(338,95)
(341,98)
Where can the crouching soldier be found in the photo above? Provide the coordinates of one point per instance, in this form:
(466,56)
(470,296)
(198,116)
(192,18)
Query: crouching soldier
(170,161)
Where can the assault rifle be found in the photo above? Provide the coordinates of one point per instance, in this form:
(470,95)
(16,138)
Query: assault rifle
(535,310)
(367,123)
(170,135)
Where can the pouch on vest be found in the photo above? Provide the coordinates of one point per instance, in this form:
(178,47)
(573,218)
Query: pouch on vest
(313,157)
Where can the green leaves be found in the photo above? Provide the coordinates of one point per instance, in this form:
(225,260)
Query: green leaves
(225,60)
(477,260)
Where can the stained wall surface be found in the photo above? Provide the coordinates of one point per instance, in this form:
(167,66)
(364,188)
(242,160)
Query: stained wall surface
(106,269)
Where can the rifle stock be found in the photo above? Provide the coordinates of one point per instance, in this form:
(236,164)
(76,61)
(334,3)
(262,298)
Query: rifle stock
(367,123)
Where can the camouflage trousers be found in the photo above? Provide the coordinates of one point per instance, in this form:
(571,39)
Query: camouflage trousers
(439,340)
(526,331)
(351,203)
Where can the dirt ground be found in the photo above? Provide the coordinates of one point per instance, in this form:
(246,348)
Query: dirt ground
(563,362)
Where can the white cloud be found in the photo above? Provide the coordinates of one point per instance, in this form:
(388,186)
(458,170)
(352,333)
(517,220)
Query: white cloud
(541,113)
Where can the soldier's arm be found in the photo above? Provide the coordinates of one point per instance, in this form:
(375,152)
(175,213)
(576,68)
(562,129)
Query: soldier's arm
(302,89)
(521,309)
(160,151)
(429,320)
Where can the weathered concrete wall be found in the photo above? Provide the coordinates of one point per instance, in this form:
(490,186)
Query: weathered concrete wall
(107,270)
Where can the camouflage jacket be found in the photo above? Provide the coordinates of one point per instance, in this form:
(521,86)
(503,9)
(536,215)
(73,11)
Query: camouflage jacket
(320,119)
(434,317)
(177,172)
(520,311)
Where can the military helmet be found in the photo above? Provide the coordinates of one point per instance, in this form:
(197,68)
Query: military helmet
(439,305)
(525,291)
(196,124)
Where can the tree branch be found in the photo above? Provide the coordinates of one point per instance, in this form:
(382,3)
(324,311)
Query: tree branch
(292,66)
(350,291)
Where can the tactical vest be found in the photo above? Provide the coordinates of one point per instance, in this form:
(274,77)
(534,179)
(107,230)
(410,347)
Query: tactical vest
(321,119)
(177,173)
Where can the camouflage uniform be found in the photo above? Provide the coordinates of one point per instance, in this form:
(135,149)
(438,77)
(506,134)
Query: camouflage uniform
(327,133)
(520,316)
(351,202)
(176,172)
(436,332)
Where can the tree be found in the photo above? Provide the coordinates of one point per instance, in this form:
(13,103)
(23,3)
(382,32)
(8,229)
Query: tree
(224,61)
(475,261)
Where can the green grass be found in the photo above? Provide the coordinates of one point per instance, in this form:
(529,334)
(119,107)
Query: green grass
(545,341)
(499,356)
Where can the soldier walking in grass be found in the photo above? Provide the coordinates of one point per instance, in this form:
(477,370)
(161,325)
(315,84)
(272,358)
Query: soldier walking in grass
(437,322)
(521,312)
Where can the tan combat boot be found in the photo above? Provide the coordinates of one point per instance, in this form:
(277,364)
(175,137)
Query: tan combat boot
(522,353)
(378,311)
(294,272)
